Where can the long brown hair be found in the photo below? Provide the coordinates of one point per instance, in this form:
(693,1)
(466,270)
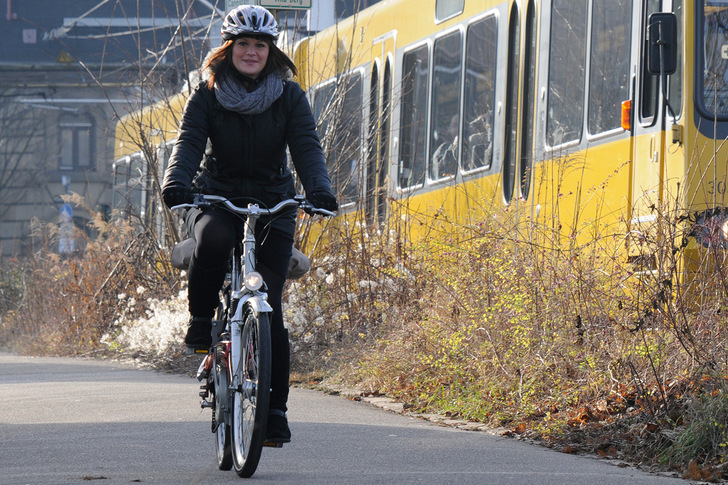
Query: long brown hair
(220,62)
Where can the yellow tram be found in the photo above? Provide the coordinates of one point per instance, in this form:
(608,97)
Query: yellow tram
(588,117)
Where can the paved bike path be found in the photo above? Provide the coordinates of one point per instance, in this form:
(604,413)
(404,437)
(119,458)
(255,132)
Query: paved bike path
(72,421)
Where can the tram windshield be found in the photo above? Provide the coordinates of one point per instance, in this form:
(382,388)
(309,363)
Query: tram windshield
(715,58)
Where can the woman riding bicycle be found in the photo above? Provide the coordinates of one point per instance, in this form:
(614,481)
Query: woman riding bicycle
(232,142)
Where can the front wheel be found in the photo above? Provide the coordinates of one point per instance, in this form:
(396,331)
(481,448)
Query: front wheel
(221,425)
(249,411)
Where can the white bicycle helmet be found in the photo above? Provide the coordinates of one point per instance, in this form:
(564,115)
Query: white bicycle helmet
(249,19)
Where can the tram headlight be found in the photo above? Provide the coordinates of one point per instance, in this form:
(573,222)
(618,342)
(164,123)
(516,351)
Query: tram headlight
(711,228)
(253,281)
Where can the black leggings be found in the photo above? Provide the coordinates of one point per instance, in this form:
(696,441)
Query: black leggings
(215,232)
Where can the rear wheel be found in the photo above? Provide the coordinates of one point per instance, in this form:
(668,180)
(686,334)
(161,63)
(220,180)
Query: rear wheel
(249,411)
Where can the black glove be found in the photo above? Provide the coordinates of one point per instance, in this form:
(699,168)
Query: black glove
(324,200)
(173,196)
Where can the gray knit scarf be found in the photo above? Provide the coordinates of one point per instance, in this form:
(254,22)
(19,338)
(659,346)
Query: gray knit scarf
(232,95)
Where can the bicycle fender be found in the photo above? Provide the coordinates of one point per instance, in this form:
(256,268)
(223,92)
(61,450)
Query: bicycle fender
(258,303)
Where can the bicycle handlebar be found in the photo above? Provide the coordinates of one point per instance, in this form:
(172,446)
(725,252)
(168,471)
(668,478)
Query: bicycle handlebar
(202,200)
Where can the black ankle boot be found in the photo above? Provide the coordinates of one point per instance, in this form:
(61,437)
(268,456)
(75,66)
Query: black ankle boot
(277,431)
(199,334)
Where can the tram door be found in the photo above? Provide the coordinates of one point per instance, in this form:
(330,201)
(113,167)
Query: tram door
(528,86)
(510,152)
(648,143)
(380,101)
(518,161)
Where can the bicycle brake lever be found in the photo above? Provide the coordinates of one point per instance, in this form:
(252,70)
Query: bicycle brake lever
(200,201)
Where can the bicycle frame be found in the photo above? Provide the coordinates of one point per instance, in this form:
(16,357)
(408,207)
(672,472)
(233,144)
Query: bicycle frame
(244,292)
(244,280)
(246,313)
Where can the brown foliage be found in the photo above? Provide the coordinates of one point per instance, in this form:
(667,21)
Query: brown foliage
(558,342)
(65,304)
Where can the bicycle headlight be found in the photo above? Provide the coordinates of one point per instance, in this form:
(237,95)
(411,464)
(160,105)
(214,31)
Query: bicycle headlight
(253,281)
(711,228)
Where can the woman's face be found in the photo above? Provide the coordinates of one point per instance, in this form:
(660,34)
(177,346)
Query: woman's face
(250,56)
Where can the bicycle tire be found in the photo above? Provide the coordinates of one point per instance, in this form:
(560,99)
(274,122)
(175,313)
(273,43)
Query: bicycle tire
(249,411)
(221,380)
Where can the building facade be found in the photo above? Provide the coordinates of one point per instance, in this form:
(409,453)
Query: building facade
(68,71)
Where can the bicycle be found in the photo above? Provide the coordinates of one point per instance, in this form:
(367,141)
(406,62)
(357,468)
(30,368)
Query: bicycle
(237,367)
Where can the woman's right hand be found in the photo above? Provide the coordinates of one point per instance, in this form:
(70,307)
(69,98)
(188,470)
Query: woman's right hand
(173,196)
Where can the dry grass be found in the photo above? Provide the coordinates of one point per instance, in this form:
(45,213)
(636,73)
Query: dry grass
(564,345)
(567,346)
(66,305)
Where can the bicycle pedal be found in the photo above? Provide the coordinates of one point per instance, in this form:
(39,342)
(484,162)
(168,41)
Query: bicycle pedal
(194,351)
(273,444)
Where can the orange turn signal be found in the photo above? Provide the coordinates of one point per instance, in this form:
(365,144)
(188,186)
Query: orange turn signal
(627,114)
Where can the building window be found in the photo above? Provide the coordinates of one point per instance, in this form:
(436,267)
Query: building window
(76,144)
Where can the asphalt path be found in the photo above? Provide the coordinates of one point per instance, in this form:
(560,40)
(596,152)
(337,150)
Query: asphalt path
(72,421)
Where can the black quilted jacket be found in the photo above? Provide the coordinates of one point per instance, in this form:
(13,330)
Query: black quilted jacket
(225,153)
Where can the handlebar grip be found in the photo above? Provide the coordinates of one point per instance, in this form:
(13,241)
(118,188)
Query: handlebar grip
(323,212)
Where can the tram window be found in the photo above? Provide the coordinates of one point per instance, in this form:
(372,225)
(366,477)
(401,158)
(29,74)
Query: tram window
(444,124)
(323,107)
(610,53)
(130,176)
(445,9)
(120,170)
(337,110)
(648,102)
(344,157)
(323,112)
(480,66)
(413,132)
(566,71)
(715,38)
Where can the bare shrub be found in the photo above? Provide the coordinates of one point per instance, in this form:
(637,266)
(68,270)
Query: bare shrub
(508,322)
(68,303)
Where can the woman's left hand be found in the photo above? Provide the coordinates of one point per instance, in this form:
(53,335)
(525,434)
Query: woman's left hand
(324,200)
